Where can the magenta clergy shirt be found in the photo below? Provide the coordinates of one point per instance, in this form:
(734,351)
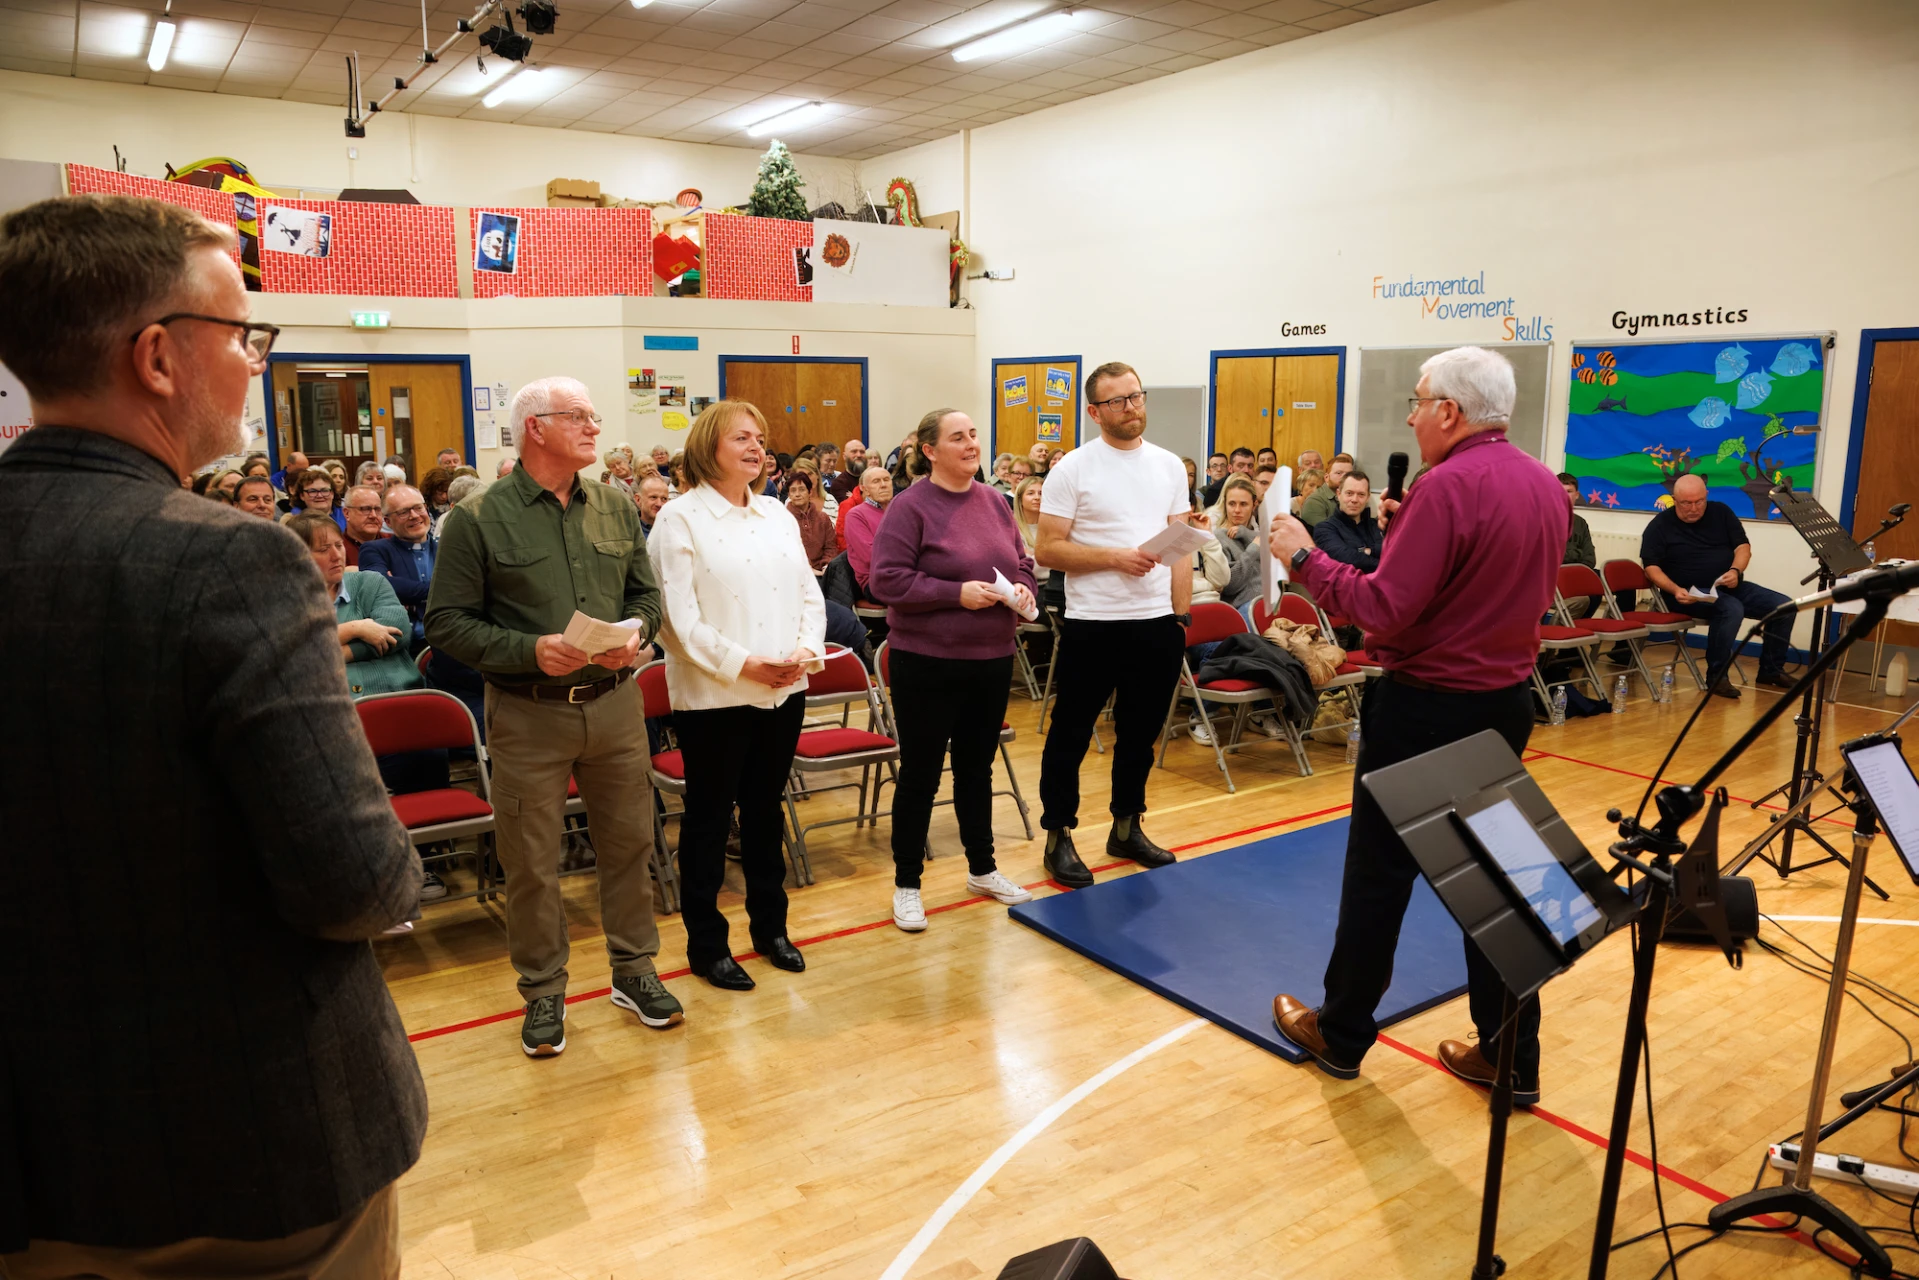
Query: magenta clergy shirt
(1467,572)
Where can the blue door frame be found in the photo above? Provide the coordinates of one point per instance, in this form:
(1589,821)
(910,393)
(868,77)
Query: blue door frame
(336,357)
(1339,401)
(866,381)
(992,417)
(1869,339)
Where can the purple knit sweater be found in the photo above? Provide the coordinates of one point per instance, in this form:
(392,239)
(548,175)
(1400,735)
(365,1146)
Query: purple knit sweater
(930,543)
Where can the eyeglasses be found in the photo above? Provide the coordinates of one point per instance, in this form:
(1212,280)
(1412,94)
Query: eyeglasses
(1135,401)
(417,509)
(326,492)
(1413,402)
(259,337)
(578,417)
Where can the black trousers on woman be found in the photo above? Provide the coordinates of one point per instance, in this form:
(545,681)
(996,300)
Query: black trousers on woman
(961,701)
(1398,722)
(734,756)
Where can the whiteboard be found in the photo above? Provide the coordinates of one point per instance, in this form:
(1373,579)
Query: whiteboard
(1388,375)
(1176,420)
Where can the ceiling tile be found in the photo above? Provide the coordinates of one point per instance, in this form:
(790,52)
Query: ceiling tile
(819,17)
(1293,10)
(1184,41)
(1184,62)
(1238,26)
(1377,7)
(1329,21)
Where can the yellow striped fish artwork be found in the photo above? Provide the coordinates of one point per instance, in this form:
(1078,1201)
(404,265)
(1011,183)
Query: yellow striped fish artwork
(1608,377)
(1579,359)
(1589,376)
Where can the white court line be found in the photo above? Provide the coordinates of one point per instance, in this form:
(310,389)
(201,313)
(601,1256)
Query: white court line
(997,1161)
(1910,924)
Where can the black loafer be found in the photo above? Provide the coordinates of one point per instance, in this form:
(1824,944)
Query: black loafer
(782,954)
(726,974)
(1773,680)
(1137,848)
(1063,864)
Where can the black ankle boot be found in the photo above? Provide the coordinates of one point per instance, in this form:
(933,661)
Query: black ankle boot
(1136,847)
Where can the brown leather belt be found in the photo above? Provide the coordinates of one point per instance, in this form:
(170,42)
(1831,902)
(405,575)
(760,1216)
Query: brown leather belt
(1416,682)
(574,693)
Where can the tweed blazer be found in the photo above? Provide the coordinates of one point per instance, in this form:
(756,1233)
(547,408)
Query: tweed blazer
(194,847)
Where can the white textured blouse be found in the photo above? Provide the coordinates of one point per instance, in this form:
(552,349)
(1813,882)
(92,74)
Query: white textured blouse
(737,584)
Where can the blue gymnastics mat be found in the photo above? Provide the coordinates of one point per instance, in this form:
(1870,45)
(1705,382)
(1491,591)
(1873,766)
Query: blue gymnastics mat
(1223,934)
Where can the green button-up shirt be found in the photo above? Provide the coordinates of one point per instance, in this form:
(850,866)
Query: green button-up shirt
(514,565)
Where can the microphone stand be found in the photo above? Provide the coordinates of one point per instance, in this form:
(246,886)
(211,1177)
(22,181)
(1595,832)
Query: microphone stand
(1677,804)
(1895,517)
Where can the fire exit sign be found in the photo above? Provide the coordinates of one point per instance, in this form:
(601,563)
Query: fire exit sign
(372,319)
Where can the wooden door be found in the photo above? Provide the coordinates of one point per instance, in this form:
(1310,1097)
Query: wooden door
(1889,459)
(1243,404)
(1017,426)
(774,390)
(1306,407)
(423,408)
(830,403)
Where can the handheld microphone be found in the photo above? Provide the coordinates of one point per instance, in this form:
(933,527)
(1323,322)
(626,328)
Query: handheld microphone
(1884,583)
(1395,479)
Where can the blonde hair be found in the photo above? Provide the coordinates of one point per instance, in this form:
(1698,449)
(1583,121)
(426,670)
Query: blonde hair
(1310,479)
(701,457)
(1028,530)
(1234,481)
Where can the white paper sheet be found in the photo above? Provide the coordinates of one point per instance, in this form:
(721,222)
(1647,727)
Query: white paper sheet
(1710,593)
(1175,543)
(590,635)
(1008,593)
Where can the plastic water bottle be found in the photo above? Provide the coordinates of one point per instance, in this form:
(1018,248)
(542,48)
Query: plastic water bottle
(1665,684)
(1352,743)
(1559,704)
(1619,695)
(1872,554)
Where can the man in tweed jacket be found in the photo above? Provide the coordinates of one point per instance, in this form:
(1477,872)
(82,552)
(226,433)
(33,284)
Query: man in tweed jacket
(203,1048)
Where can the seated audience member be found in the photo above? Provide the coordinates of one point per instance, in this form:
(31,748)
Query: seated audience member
(336,469)
(863,521)
(1305,483)
(1700,544)
(662,458)
(1263,479)
(391,474)
(254,495)
(1003,473)
(505,468)
(296,461)
(676,472)
(1215,477)
(844,480)
(826,460)
(257,462)
(433,487)
(816,529)
(461,488)
(372,623)
(1579,549)
(447,459)
(1266,458)
(315,497)
(1053,455)
(406,558)
(1321,504)
(619,471)
(1022,470)
(1235,524)
(1192,483)
(1240,463)
(1309,461)
(653,494)
(365,521)
(370,474)
(1351,535)
(1037,455)
(199,482)
(1026,498)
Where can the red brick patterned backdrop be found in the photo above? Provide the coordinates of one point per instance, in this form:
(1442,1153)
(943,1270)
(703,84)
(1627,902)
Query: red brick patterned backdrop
(384,250)
(574,253)
(752,258)
(214,206)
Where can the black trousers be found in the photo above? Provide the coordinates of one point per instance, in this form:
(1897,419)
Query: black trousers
(1398,722)
(735,756)
(1135,662)
(961,701)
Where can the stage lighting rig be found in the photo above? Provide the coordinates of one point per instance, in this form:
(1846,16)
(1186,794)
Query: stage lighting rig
(539,16)
(502,41)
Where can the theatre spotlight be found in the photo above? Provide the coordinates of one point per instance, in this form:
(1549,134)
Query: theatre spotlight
(505,42)
(538,16)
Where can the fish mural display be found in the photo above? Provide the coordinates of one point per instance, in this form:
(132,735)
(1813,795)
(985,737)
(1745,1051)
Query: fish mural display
(1641,415)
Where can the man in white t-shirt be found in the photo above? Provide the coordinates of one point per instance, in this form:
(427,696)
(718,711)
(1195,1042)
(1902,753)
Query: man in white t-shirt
(1124,632)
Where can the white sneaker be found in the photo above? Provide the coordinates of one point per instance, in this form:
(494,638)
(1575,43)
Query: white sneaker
(1200,733)
(995,885)
(908,913)
(1266,724)
(405,926)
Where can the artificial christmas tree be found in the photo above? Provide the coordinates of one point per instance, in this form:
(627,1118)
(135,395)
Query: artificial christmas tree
(776,192)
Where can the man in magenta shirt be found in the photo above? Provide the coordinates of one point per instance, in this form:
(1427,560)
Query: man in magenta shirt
(863,522)
(1452,613)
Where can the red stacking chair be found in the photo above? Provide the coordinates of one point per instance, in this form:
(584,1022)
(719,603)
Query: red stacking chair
(844,684)
(1217,622)
(432,720)
(668,774)
(1006,736)
(1670,626)
(1577,580)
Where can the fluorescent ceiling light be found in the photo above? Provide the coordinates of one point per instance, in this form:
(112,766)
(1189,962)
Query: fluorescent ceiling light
(520,82)
(792,118)
(162,45)
(641,4)
(1021,35)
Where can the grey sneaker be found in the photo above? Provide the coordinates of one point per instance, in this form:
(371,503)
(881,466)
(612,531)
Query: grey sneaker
(543,1034)
(647,996)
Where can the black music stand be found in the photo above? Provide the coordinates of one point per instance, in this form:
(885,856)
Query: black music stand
(1423,798)
(1838,555)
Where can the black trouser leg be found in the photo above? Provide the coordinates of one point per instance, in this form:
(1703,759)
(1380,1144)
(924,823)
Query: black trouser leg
(771,737)
(1152,651)
(1088,667)
(976,731)
(942,701)
(1399,722)
(1486,997)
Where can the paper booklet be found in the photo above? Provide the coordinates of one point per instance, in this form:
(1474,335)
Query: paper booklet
(1710,593)
(590,635)
(1175,543)
(1007,593)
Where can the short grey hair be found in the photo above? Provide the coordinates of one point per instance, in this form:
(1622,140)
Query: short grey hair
(505,467)
(1479,381)
(536,398)
(1004,460)
(463,487)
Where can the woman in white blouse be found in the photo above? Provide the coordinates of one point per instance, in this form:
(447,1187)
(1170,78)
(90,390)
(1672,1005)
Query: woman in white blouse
(744,623)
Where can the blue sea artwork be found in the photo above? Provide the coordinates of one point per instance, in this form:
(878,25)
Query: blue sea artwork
(1794,359)
(1754,388)
(1711,413)
(1730,363)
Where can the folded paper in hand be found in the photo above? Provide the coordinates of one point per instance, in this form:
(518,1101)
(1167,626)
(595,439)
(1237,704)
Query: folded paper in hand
(590,635)
(1006,592)
(1175,542)
(1704,593)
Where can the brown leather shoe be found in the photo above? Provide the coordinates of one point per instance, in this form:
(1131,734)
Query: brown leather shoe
(1726,688)
(1301,1025)
(1469,1064)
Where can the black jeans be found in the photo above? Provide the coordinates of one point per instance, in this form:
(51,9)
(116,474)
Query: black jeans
(1398,722)
(734,756)
(1137,660)
(937,701)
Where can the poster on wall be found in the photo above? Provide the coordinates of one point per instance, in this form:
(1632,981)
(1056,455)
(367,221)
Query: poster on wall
(803,266)
(1014,391)
(1059,383)
(672,390)
(1049,428)
(639,390)
(482,400)
(304,232)
(697,405)
(16,416)
(873,263)
(1742,414)
(498,246)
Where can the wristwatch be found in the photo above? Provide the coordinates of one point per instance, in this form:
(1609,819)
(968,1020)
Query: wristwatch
(1183,619)
(1299,557)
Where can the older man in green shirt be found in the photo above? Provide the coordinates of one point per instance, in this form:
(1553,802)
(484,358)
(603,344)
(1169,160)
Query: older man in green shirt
(516,561)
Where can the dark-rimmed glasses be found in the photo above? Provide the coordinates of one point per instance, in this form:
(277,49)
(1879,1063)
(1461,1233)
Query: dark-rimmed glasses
(259,337)
(1135,401)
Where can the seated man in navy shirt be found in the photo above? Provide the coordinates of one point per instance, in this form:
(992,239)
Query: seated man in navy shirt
(406,558)
(1351,535)
(1701,544)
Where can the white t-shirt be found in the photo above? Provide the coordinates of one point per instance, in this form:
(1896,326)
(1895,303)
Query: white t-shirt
(1117,498)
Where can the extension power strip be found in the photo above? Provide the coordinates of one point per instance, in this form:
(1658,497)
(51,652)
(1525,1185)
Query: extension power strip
(1880,1177)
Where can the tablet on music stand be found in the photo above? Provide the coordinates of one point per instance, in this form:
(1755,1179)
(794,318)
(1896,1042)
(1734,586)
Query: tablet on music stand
(1888,780)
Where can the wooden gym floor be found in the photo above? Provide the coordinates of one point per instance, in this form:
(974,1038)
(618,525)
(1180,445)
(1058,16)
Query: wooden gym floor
(840,1123)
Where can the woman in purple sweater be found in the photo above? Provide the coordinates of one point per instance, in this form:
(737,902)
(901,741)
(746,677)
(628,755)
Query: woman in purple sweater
(950,650)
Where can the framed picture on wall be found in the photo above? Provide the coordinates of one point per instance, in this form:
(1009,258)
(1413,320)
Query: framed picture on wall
(497,247)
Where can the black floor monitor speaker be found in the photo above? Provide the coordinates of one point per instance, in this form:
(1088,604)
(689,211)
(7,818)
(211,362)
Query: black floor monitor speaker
(1741,900)
(1076,1259)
